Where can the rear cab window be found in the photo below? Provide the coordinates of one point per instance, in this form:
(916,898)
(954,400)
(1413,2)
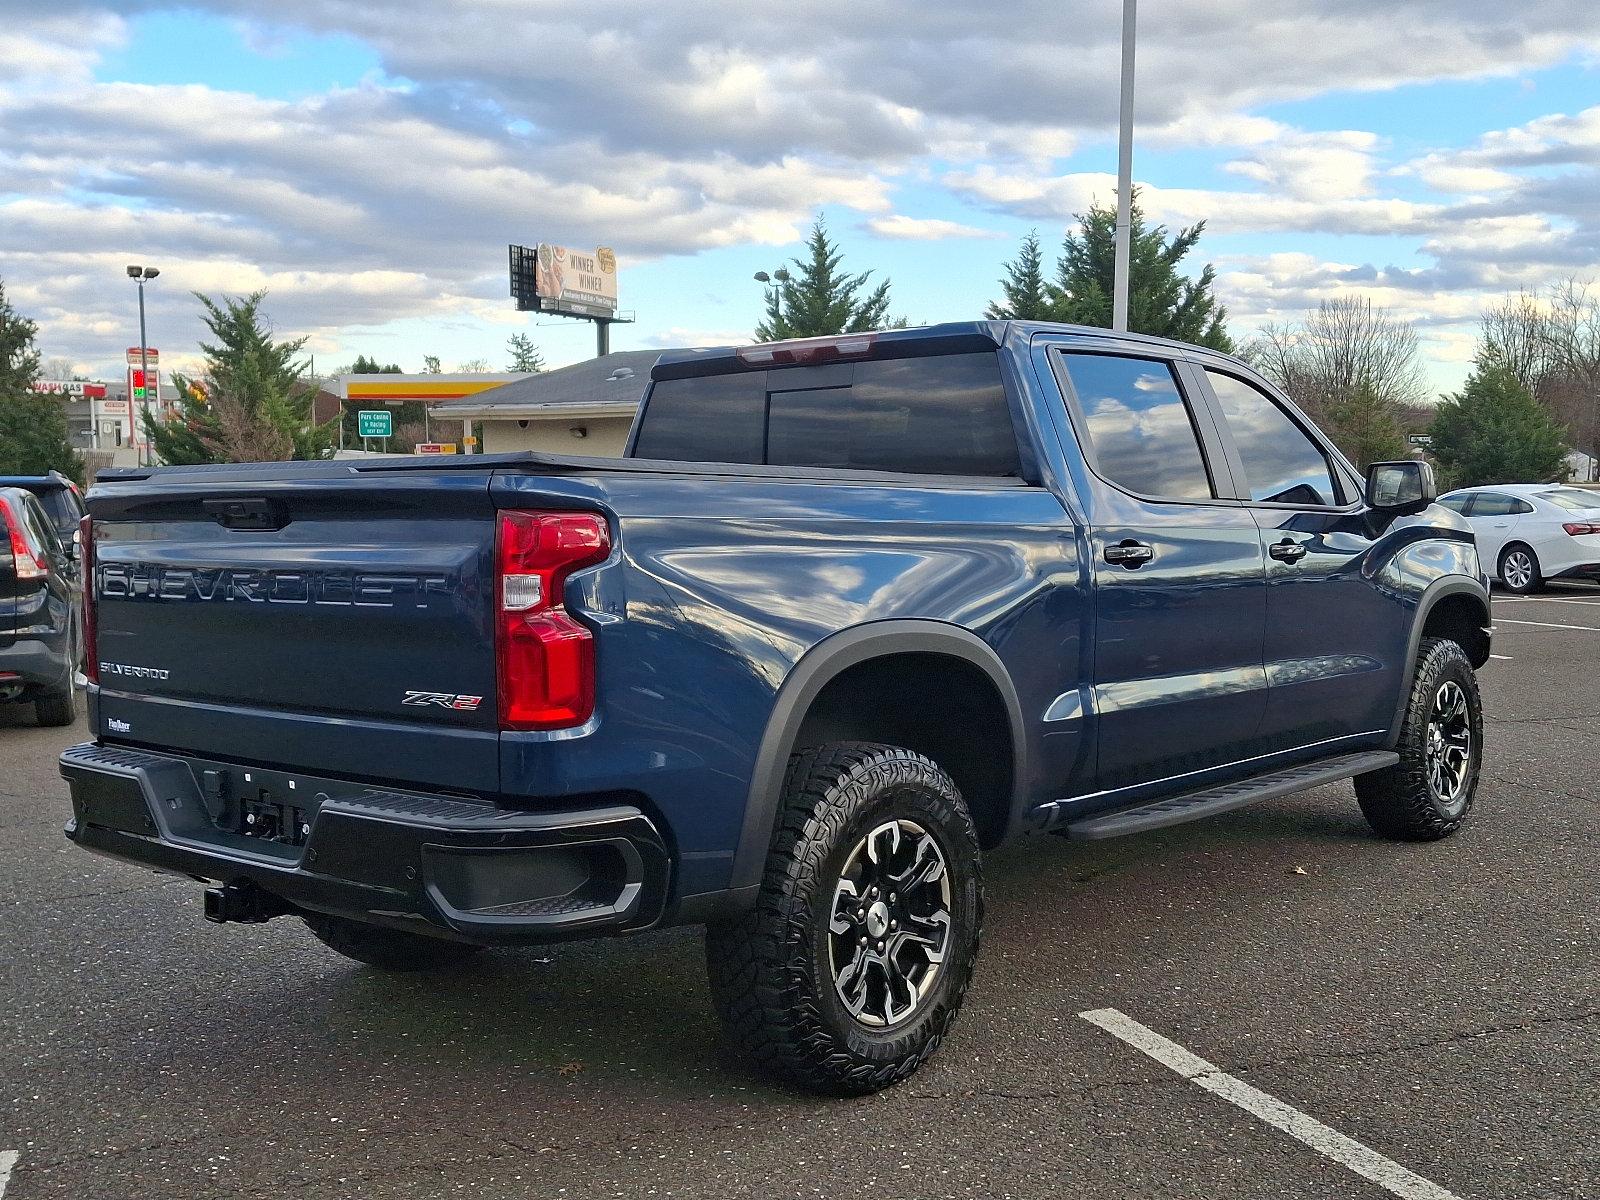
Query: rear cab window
(1572,499)
(935,414)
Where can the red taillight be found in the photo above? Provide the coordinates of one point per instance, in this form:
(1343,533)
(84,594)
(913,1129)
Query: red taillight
(28,564)
(91,659)
(1579,528)
(545,656)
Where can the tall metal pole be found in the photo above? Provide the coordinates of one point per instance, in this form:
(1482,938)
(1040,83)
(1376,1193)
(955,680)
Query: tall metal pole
(144,373)
(1119,301)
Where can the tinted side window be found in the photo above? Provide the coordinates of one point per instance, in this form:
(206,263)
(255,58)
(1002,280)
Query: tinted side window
(1281,462)
(945,415)
(61,506)
(1493,504)
(1456,503)
(718,418)
(1143,437)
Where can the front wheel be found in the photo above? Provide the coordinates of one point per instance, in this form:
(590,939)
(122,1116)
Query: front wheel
(849,971)
(1428,794)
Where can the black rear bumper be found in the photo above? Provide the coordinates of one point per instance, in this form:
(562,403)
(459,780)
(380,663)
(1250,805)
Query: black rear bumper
(430,864)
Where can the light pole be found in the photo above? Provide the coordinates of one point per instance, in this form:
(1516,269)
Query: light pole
(1119,301)
(140,275)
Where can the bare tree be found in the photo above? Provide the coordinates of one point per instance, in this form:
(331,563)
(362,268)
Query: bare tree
(1516,334)
(1353,368)
(240,435)
(1572,385)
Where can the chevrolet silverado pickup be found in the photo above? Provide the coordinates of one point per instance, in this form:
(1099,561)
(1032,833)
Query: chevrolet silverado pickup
(849,613)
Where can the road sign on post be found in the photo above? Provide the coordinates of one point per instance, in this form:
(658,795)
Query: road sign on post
(374,423)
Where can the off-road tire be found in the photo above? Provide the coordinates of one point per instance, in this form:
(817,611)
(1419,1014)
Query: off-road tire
(1535,581)
(388,949)
(771,979)
(1399,802)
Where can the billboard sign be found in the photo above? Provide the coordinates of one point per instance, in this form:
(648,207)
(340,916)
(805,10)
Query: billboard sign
(559,279)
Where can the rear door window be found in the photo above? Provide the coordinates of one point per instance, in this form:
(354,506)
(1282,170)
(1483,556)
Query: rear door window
(1282,463)
(1139,426)
(938,415)
(1492,504)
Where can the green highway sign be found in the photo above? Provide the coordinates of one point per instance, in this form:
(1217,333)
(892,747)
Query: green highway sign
(375,423)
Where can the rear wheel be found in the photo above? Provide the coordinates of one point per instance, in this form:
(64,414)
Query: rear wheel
(390,949)
(850,970)
(1519,569)
(1428,794)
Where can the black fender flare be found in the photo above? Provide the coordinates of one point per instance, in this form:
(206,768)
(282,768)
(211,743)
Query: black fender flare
(820,664)
(1448,585)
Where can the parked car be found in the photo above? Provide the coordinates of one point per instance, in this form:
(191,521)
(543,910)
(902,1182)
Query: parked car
(59,496)
(40,637)
(851,612)
(1533,532)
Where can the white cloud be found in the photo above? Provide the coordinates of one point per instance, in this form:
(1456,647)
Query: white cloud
(925,229)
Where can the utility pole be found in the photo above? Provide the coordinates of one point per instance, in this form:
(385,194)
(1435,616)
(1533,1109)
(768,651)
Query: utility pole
(1119,301)
(140,275)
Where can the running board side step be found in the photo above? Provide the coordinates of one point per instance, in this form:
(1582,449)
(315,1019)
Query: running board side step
(1191,806)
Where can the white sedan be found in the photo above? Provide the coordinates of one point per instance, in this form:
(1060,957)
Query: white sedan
(1532,532)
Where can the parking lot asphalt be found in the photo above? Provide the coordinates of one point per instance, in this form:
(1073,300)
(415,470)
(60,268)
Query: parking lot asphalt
(1439,1004)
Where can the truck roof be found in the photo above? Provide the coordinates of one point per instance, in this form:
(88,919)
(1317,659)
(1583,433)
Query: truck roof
(949,337)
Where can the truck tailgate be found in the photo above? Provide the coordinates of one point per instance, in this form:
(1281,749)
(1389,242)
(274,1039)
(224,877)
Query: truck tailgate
(319,619)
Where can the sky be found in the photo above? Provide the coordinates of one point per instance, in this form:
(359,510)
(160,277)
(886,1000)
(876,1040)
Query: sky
(367,163)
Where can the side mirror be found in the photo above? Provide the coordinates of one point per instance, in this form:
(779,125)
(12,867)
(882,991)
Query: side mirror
(1400,487)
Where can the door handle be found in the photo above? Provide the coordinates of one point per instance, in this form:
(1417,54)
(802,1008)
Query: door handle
(1129,554)
(1287,551)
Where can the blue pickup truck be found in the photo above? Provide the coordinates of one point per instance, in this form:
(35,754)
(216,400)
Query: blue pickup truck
(849,613)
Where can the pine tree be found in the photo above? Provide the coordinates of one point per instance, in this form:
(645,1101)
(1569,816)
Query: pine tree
(1365,424)
(33,427)
(524,354)
(1161,300)
(1024,287)
(255,402)
(19,359)
(1493,431)
(816,299)
(34,439)
(370,366)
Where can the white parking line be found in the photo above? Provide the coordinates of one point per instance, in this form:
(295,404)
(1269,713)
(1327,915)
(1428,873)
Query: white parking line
(1330,1143)
(1501,657)
(1582,603)
(1546,624)
(8,1159)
